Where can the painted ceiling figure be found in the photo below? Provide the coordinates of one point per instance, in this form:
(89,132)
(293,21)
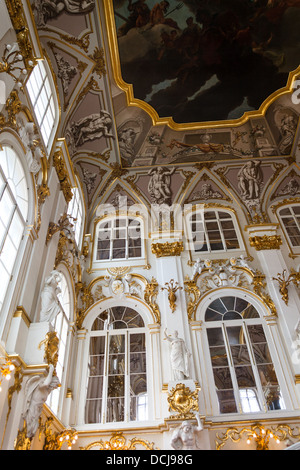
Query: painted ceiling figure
(139,16)
(158,15)
(92,127)
(48,9)
(159,185)
(250,178)
(191,63)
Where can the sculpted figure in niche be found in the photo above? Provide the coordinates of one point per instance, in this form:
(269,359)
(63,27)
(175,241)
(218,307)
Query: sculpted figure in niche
(159,186)
(179,356)
(50,305)
(36,393)
(48,9)
(186,436)
(250,178)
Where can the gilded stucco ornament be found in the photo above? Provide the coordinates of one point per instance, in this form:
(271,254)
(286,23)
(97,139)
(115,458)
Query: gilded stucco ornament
(150,296)
(284,281)
(234,272)
(172,287)
(258,434)
(51,348)
(55,440)
(62,174)
(161,250)
(119,442)
(18,19)
(183,402)
(266,242)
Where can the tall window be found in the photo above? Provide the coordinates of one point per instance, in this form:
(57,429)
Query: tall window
(13,213)
(117,379)
(290,218)
(213,230)
(76,210)
(119,238)
(61,327)
(244,374)
(42,99)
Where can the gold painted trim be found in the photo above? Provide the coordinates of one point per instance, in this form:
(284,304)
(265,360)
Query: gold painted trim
(21,313)
(168,121)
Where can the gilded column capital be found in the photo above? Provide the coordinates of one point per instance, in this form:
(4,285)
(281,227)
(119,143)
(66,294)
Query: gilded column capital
(161,250)
(266,242)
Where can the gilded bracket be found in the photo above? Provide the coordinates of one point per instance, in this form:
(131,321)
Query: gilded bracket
(172,287)
(285,281)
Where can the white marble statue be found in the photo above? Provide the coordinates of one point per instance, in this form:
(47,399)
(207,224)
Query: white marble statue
(50,305)
(179,356)
(185,437)
(36,393)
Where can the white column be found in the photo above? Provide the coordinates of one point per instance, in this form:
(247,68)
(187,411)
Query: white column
(263,238)
(205,406)
(155,358)
(78,404)
(168,266)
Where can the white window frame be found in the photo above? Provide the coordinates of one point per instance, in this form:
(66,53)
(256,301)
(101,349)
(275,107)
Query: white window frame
(17,196)
(61,325)
(44,100)
(281,217)
(205,239)
(76,210)
(107,334)
(277,352)
(108,235)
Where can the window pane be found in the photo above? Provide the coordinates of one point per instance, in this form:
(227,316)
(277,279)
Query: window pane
(218,356)
(249,400)
(5,277)
(120,361)
(93,411)
(227,403)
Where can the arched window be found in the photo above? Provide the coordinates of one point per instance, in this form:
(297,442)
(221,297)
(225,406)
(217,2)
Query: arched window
(76,210)
(44,102)
(119,238)
(117,375)
(290,219)
(244,374)
(213,230)
(13,213)
(61,327)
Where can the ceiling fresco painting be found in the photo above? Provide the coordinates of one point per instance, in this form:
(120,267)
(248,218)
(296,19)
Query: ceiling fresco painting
(207,60)
(116,71)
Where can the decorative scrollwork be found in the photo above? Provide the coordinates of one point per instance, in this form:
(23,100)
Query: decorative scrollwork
(119,442)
